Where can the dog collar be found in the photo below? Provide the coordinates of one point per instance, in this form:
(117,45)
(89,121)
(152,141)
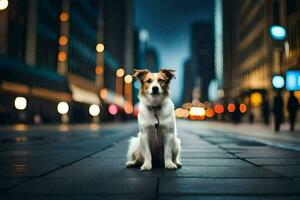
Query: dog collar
(154,108)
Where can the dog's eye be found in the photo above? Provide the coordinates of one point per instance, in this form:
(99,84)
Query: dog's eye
(149,81)
(161,80)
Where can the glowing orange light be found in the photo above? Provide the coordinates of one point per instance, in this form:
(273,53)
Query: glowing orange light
(64,17)
(128,108)
(243,108)
(256,99)
(99,70)
(231,107)
(103,93)
(120,72)
(219,108)
(209,112)
(62,56)
(63,40)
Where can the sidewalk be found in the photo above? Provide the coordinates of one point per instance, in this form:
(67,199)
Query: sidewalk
(88,164)
(255,132)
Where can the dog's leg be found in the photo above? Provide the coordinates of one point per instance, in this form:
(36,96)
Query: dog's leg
(168,151)
(132,155)
(146,153)
(177,153)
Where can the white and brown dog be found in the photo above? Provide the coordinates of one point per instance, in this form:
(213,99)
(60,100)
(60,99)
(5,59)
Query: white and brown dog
(157,141)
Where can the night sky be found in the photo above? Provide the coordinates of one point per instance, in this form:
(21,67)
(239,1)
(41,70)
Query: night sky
(169,25)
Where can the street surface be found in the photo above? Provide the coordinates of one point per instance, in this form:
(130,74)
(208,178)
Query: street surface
(87,162)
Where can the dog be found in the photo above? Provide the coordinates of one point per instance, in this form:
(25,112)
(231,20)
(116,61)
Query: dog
(157,141)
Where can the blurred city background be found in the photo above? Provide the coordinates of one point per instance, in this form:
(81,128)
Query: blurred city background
(70,61)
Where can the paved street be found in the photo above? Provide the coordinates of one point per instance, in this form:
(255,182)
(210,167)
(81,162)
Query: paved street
(83,162)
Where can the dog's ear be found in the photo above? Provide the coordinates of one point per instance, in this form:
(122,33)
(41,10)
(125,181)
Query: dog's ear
(170,73)
(140,73)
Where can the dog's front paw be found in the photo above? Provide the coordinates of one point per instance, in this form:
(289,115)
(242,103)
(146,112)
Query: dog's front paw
(130,163)
(179,165)
(146,167)
(170,165)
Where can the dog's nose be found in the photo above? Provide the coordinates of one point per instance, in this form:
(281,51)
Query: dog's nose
(154,90)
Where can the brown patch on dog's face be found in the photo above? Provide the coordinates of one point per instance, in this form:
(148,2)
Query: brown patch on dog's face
(164,78)
(146,82)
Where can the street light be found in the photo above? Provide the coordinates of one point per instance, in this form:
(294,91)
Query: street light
(128,78)
(278,81)
(94,110)
(3,4)
(62,108)
(120,72)
(99,47)
(20,103)
(278,32)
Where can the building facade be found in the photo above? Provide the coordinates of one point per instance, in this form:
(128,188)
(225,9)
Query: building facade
(202,56)
(48,55)
(251,56)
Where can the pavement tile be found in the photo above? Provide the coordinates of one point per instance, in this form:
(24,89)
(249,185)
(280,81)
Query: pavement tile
(285,154)
(90,186)
(206,155)
(79,197)
(214,162)
(275,161)
(8,182)
(228,186)
(97,170)
(25,170)
(288,171)
(227,197)
(217,172)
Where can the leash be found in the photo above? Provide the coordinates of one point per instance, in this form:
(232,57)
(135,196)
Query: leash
(156,125)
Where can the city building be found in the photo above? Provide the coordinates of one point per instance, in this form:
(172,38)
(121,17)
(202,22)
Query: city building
(49,56)
(251,56)
(118,57)
(202,55)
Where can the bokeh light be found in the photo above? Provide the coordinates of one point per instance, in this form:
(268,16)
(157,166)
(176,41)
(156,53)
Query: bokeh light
(64,17)
(99,70)
(99,47)
(278,32)
(197,113)
(137,84)
(3,4)
(231,107)
(128,78)
(62,56)
(128,108)
(94,110)
(113,109)
(181,113)
(243,108)
(63,40)
(120,72)
(62,108)
(278,82)
(219,108)
(209,112)
(20,103)
(256,99)
(103,93)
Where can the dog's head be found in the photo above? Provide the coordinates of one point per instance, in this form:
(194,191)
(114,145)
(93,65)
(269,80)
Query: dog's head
(154,86)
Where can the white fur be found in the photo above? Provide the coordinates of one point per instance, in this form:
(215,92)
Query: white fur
(146,144)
